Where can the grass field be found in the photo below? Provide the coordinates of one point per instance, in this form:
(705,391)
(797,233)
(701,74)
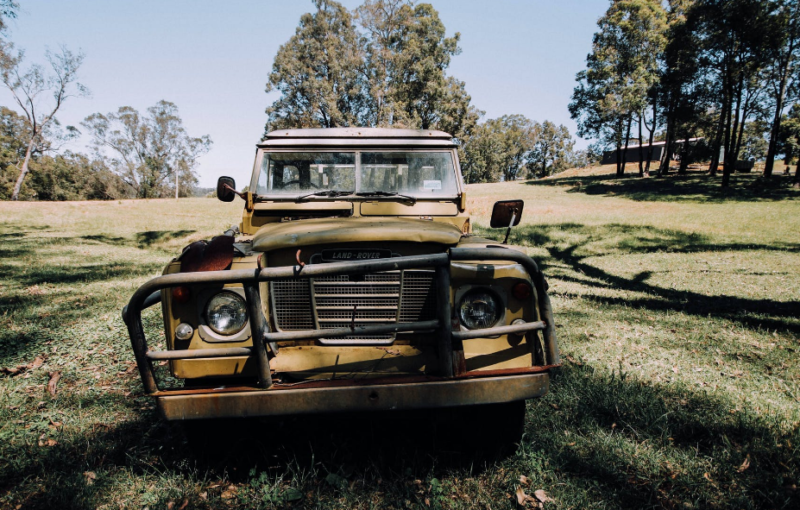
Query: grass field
(678,310)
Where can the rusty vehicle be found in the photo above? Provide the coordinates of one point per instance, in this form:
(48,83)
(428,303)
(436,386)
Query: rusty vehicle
(352,283)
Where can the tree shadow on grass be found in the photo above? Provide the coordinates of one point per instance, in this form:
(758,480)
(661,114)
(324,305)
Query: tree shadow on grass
(642,445)
(695,186)
(567,245)
(624,442)
(142,240)
(87,274)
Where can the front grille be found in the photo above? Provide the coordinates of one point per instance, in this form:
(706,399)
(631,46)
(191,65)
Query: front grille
(381,298)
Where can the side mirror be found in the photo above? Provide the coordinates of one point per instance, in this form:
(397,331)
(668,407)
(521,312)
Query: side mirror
(506,214)
(226,189)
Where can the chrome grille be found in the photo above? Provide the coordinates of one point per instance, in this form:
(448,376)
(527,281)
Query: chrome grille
(381,298)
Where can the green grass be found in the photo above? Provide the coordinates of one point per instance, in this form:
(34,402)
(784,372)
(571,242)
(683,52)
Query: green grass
(678,317)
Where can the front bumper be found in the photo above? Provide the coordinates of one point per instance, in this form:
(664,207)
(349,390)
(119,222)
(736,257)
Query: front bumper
(454,386)
(241,403)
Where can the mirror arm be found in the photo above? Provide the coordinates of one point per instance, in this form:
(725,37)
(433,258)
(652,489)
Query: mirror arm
(240,195)
(510,224)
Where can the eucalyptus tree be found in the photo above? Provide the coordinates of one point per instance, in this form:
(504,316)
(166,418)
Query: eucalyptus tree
(482,155)
(39,93)
(783,68)
(319,72)
(736,38)
(151,151)
(499,148)
(407,54)
(622,70)
(551,149)
(391,74)
(789,141)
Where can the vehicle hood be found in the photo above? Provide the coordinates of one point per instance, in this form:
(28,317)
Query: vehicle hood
(326,231)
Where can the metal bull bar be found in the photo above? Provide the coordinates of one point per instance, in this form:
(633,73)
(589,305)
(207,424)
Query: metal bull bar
(149,294)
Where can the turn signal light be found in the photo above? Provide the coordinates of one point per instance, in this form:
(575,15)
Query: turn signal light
(181,294)
(522,290)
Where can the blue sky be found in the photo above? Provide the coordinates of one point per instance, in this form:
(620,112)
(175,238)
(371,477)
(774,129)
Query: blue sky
(212,59)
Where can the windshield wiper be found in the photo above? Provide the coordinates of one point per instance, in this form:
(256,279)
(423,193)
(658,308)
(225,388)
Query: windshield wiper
(379,193)
(331,193)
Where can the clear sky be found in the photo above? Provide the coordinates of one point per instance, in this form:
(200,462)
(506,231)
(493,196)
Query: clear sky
(212,59)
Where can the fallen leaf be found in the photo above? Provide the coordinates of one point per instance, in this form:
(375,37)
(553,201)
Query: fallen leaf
(427,502)
(90,476)
(184,504)
(203,495)
(37,362)
(745,464)
(170,505)
(554,406)
(53,382)
(521,496)
(675,369)
(524,480)
(227,494)
(708,477)
(542,496)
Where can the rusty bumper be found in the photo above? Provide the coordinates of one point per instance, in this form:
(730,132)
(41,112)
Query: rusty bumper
(376,397)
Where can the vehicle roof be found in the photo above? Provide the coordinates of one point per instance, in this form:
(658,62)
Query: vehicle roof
(356,136)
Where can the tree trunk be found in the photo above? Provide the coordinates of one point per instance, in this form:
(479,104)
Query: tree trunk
(776,122)
(728,165)
(619,148)
(176,185)
(737,149)
(663,167)
(684,154)
(796,184)
(650,142)
(723,114)
(621,170)
(641,149)
(23,171)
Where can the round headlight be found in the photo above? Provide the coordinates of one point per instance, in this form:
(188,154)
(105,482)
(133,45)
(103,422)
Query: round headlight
(479,309)
(226,313)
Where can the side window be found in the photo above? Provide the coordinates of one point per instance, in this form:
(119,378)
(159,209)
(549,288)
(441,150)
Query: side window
(261,187)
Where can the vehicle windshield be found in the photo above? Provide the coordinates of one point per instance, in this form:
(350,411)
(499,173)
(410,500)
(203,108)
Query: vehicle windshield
(417,174)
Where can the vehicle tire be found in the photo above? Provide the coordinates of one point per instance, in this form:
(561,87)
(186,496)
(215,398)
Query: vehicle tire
(218,438)
(485,431)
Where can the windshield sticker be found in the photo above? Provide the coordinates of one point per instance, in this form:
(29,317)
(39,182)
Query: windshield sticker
(432,184)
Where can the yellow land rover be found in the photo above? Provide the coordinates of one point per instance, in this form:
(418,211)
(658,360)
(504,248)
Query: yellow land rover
(352,283)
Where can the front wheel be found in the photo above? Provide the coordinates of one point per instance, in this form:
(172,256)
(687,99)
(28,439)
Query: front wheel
(488,430)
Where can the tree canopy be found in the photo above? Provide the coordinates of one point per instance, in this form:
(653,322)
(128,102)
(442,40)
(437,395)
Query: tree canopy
(724,71)
(390,72)
(152,153)
(514,146)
